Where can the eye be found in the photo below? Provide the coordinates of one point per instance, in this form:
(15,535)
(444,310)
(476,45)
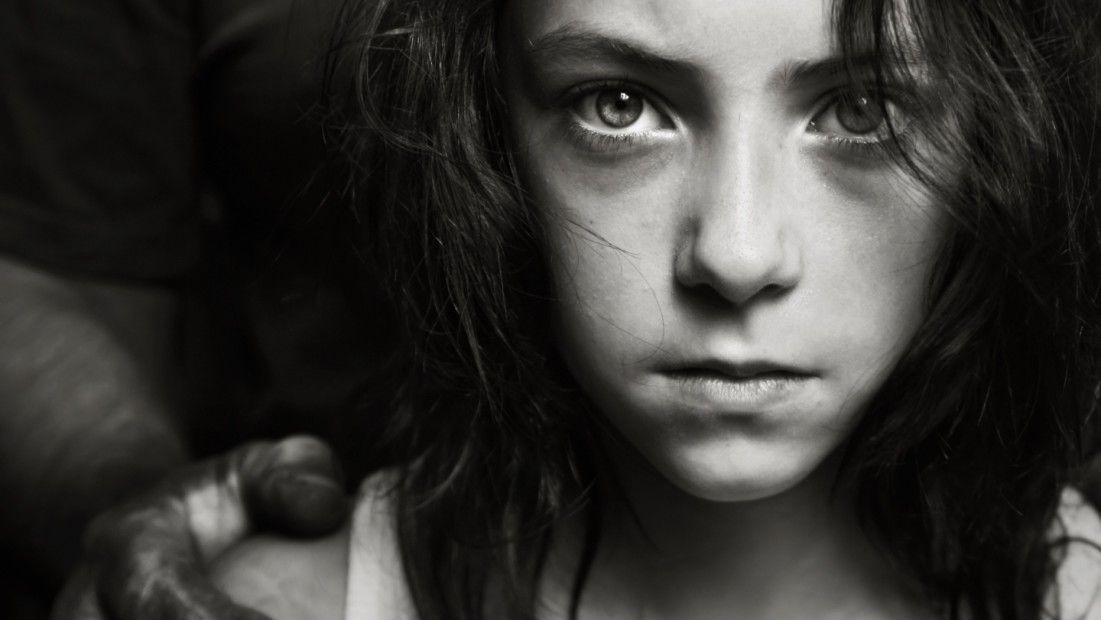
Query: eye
(617,110)
(859,117)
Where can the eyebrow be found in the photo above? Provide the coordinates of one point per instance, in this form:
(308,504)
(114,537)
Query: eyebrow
(801,71)
(569,42)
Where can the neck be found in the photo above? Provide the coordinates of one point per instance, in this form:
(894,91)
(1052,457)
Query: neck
(669,522)
(799,553)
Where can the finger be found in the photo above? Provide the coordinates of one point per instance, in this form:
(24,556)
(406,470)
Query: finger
(148,567)
(148,554)
(156,573)
(307,454)
(184,593)
(294,487)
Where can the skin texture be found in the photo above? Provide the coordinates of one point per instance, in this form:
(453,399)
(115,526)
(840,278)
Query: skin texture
(148,558)
(288,579)
(729,230)
(738,270)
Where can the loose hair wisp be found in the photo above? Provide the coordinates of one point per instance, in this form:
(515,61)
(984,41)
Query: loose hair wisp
(960,458)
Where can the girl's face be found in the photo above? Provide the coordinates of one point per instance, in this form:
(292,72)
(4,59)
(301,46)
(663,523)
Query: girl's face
(738,265)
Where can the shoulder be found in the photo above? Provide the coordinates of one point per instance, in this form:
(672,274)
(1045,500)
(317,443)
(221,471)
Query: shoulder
(1077,592)
(377,585)
(356,573)
(287,579)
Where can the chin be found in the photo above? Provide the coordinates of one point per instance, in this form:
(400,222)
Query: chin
(722,474)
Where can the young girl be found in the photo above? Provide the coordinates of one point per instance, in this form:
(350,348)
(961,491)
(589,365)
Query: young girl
(722,309)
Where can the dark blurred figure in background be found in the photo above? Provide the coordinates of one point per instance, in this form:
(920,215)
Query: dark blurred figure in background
(168,252)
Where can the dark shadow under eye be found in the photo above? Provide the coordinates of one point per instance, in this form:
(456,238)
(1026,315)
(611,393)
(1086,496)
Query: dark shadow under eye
(860,114)
(618,108)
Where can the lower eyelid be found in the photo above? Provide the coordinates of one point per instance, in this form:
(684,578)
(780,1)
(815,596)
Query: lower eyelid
(579,132)
(833,138)
(871,152)
(611,143)
(900,132)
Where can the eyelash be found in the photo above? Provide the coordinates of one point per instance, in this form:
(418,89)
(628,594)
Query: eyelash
(613,143)
(601,142)
(865,148)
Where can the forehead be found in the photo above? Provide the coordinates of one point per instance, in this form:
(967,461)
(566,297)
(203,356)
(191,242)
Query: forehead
(724,38)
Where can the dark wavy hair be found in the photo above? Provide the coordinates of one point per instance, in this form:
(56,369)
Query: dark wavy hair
(960,459)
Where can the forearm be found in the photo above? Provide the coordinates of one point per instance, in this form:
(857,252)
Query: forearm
(84,416)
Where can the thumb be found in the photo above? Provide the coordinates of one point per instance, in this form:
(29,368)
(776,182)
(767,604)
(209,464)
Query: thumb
(294,487)
(148,555)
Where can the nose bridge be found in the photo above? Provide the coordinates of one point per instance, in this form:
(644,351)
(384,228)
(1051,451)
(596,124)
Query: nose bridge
(741,171)
(739,244)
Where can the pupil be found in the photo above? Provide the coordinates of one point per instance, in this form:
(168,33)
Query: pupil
(860,115)
(618,108)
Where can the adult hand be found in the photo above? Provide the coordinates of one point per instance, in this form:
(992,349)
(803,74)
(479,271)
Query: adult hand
(146,558)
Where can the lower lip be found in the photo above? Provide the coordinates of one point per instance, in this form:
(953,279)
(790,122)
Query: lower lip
(738,394)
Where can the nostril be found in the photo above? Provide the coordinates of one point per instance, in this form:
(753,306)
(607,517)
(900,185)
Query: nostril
(771,290)
(735,268)
(707,297)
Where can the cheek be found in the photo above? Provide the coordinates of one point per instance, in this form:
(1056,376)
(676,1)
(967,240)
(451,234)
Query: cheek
(870,271)
(611,233)
(609,296)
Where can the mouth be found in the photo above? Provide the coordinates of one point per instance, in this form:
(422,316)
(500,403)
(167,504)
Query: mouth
(737,387)
(720,369)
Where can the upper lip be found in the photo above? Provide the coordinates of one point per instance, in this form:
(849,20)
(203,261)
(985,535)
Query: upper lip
(735,369)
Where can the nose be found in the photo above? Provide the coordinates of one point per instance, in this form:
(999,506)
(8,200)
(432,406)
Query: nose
(738,242)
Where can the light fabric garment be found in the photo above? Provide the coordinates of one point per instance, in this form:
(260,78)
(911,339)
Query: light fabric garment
(377,588)
(376,583)
(1079,579)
